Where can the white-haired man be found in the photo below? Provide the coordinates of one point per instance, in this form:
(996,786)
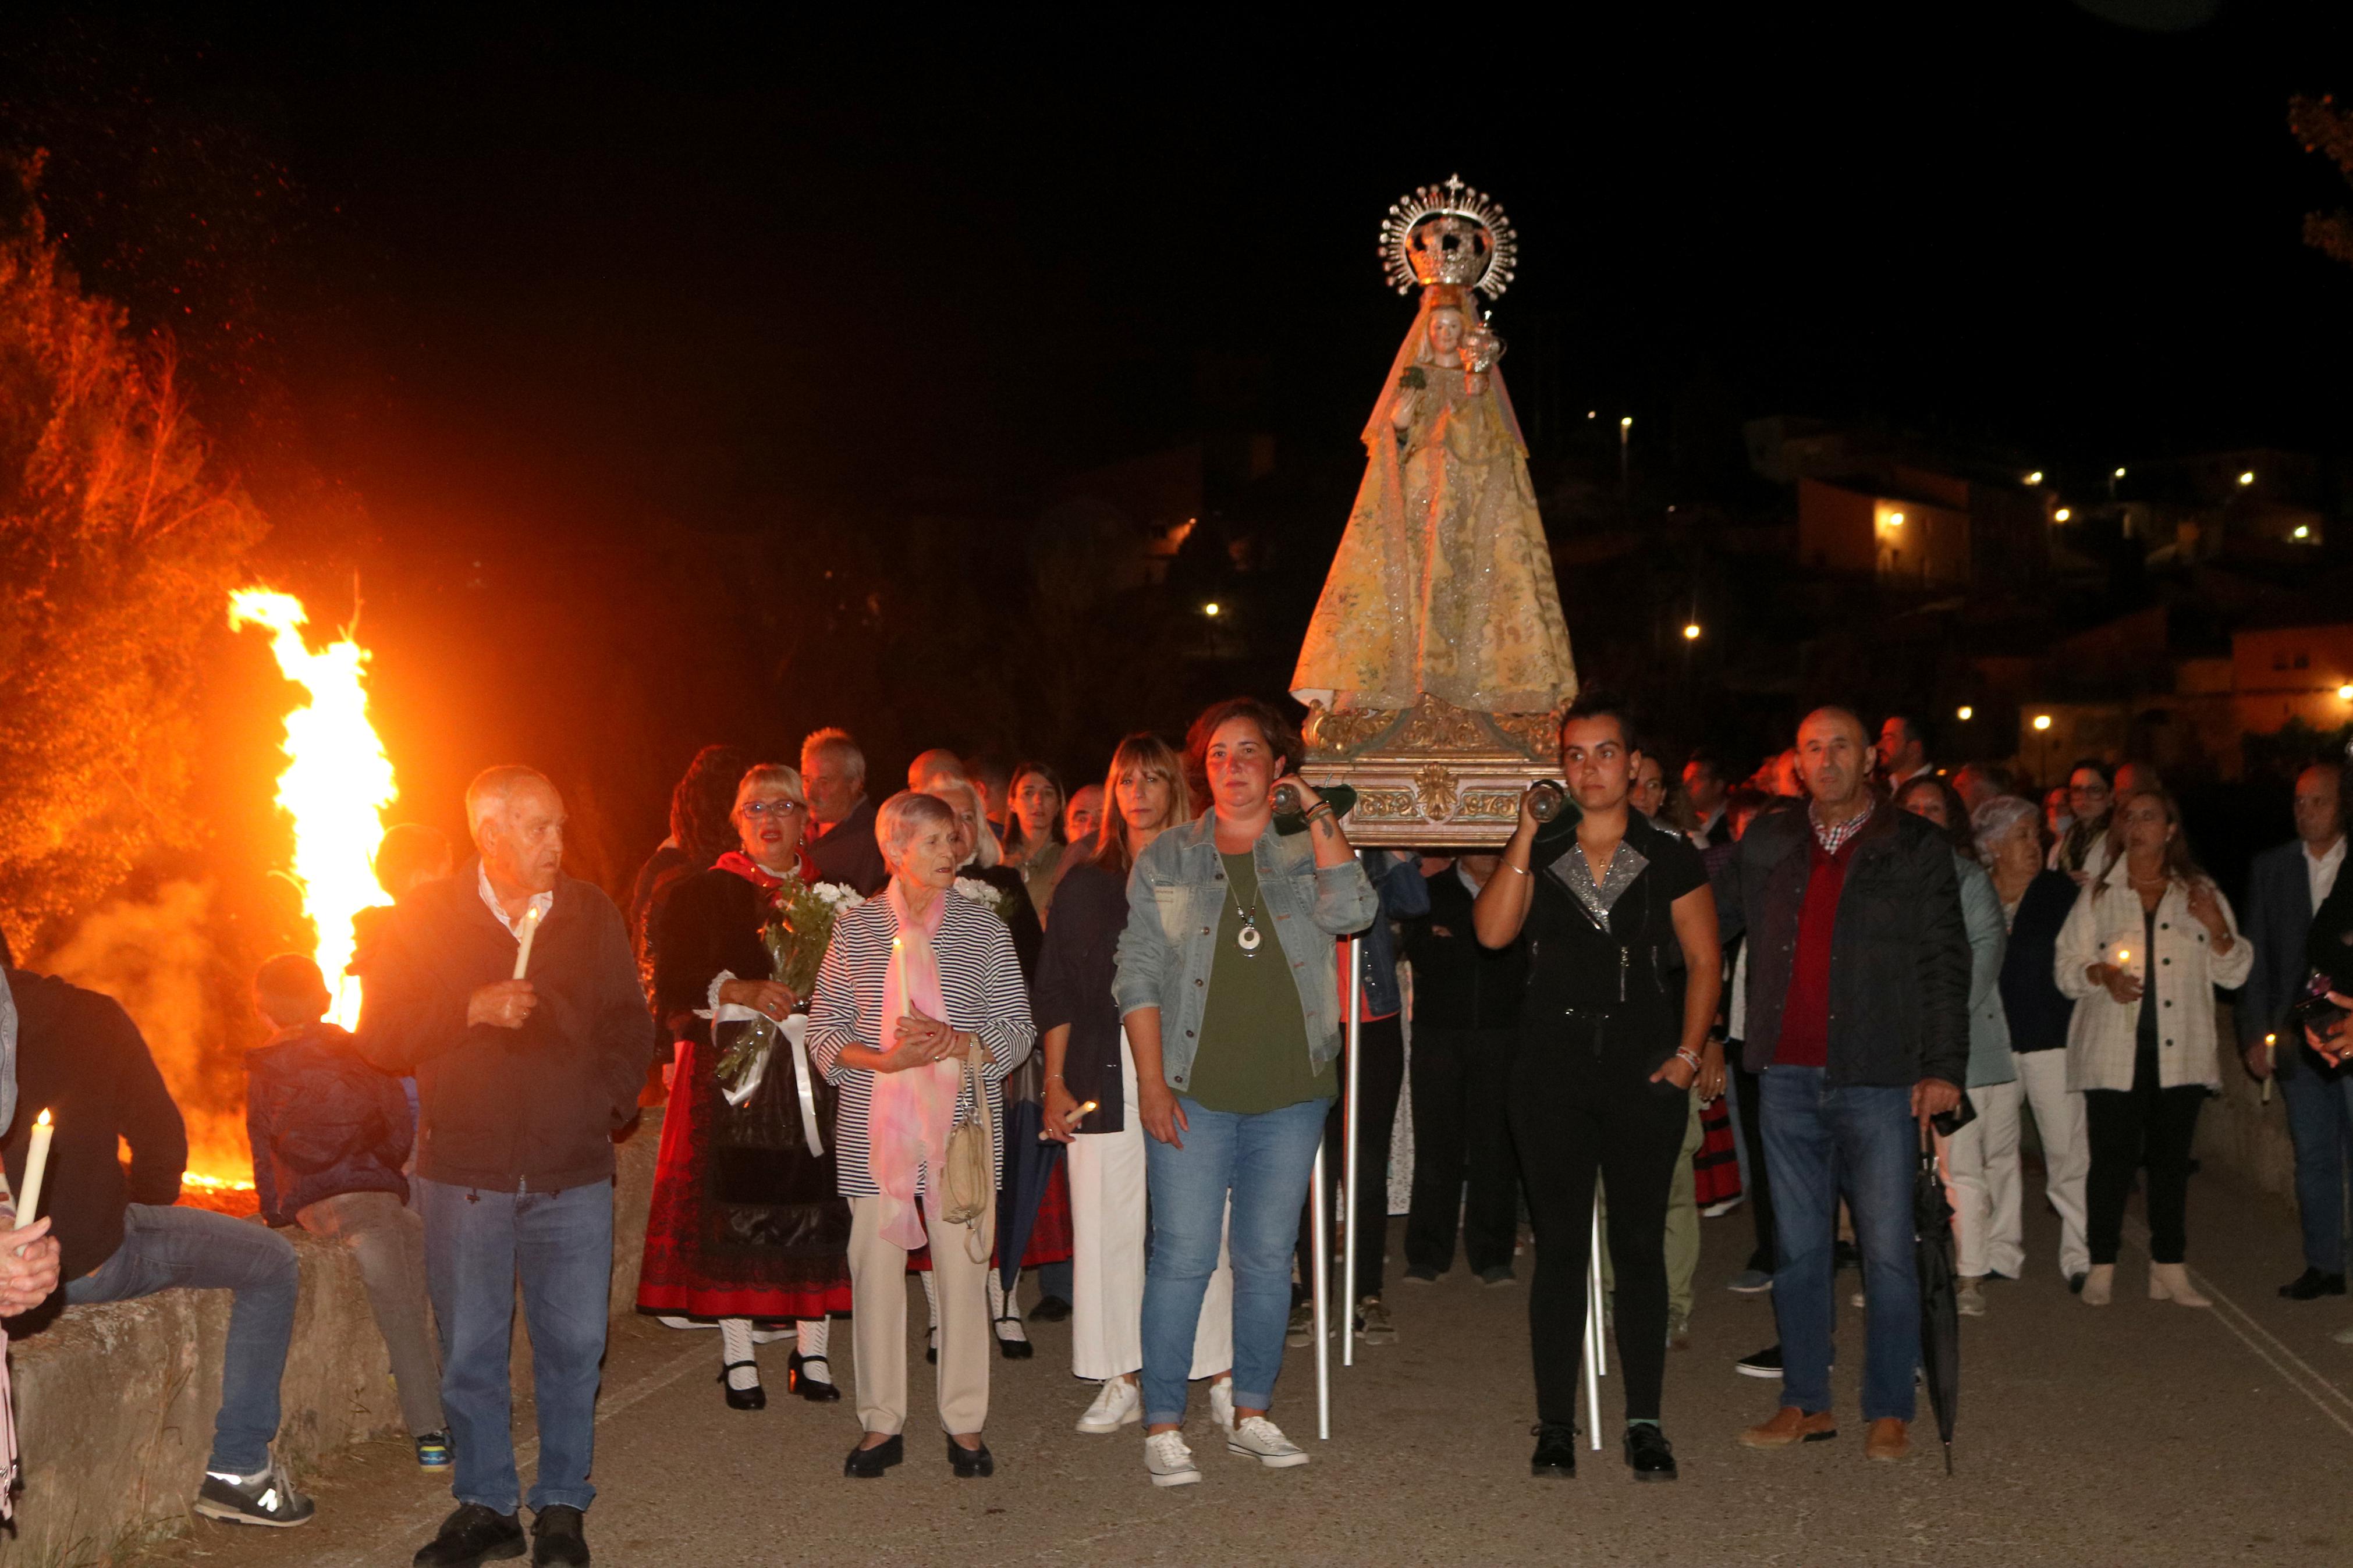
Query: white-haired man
(524,1070)
(833,772)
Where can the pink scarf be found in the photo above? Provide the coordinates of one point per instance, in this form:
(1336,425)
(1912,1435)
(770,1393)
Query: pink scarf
(911,1113)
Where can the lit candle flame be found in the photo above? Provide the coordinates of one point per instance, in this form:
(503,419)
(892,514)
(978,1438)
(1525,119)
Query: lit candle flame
(336,783)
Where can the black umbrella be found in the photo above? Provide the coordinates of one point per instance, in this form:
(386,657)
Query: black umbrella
(1940,1311)
(1030,1166)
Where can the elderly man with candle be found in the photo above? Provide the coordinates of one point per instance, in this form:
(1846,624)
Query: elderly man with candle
(510,993)
(119,1236)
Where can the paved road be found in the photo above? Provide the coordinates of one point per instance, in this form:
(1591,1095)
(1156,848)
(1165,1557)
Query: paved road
(2143,1434)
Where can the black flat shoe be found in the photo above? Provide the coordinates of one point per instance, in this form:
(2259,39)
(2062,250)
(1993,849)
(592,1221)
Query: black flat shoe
(1014,1349)
(968,1463)
(1051,1310)
(558,1538)
(808,1385)
(1649,1454)
(2075,1283)
(1556,1456)
(2312,1284)
(868,1464)
(471,1536)
(753,1398)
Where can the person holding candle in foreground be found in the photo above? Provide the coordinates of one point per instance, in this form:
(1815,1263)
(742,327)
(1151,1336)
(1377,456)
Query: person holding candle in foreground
(510,992)
(28,1257)
(1228,986)
(918,986)
(80,1057)
(2141,954)
(1091,1102)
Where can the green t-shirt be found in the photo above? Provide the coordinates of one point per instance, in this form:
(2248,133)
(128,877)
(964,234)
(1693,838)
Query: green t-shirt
(1253,1054)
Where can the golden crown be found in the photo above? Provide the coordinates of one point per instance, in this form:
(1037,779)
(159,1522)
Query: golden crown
(1448,233)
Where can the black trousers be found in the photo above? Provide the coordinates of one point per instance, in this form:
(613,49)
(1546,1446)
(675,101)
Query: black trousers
(1380,1078)
(1582,1104)
(1750,1094)
(2130,1127)
(1462,1135)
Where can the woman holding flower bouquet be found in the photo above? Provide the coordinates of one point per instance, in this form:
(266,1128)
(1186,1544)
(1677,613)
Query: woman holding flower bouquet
(746,1222)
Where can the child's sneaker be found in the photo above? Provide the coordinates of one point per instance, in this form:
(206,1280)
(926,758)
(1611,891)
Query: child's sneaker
(267,1499)
(433,1451)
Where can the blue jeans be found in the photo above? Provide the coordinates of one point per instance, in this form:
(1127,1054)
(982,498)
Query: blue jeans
(1264,1160)
(476,1243)
(2320,1119)
(1817,1141)
(196,1249)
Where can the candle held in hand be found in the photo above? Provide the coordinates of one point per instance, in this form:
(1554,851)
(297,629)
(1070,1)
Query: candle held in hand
(898,953)
(36,1166)
(530,931)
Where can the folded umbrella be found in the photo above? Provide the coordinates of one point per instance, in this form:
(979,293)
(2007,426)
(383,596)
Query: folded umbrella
(1030,1167)
(1940,1311)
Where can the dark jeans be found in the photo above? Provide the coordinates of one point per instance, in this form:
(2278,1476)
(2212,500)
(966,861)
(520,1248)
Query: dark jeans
(1580,1105)
(2320,1119)
(478,1243)
(1859,1142)
(1748,1099)
(1463,1131)
(1379,1079)
(196,1249)
(2129,1128)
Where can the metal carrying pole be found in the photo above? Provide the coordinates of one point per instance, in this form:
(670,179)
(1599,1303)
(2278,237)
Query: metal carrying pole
(1596,1366)
(1348,1162)
(1319,1239)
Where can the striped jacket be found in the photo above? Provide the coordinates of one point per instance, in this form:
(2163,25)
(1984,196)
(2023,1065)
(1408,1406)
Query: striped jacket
(980,982)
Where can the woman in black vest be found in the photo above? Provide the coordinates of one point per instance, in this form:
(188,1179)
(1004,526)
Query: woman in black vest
(1623,980)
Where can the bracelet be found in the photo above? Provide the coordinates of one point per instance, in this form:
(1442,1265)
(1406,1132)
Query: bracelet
(1507,866)
(1683,1053)
(1053,1078)
(1321,808)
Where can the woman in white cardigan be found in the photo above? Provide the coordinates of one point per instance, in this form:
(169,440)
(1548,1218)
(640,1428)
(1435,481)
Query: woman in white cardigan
(2141,954)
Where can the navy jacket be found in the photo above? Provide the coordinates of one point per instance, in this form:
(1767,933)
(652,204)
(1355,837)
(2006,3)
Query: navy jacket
(2038,1011)
(323,1122)
(1404,893)
(2278,917)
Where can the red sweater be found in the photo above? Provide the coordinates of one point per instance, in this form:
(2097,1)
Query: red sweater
(1805,1014)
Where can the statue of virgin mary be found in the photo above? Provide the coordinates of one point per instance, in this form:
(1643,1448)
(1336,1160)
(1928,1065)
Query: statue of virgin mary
(1443,582)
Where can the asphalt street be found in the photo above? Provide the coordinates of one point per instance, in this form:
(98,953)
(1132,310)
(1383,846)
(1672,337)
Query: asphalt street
(2143,1432)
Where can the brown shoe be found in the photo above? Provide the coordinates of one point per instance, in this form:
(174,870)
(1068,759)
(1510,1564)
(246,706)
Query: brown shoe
(1790,1425)
(1888,1440)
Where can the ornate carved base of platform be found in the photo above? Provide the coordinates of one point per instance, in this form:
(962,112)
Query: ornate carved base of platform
(1433,775)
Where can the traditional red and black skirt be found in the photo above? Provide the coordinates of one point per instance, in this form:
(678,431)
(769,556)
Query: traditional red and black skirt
(1715,1168)
(745,1220)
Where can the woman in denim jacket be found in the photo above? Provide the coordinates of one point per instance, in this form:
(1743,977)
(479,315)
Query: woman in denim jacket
(1229,987)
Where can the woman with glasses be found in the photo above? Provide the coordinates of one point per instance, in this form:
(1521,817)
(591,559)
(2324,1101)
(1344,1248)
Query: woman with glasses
(746,1223)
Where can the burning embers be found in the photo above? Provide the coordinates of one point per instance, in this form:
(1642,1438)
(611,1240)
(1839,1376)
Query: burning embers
(336,783)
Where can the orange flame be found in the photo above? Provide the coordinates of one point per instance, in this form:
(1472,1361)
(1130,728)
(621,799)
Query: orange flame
(336,786)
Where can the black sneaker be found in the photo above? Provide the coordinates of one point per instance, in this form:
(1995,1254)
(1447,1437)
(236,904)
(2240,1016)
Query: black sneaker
(1500,1274)
(558,1538)
(1051,1310)
(471,1536)
(1556,1456)
(1648,1453)
(1766,1363)
(267,1499)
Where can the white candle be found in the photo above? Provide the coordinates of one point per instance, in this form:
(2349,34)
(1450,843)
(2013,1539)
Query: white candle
(529,930)
(899,962)
(36,1166)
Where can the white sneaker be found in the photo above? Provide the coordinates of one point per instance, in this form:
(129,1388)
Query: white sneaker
(1120,1404)
(1259,1438)
(2343,1336)
(669,1321)
(1969,1300)
(1221,1404)
(1170,1462)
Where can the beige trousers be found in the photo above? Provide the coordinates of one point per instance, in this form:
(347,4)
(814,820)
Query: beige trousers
(878,1323)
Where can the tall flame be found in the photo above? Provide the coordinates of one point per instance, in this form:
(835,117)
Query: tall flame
(336,786)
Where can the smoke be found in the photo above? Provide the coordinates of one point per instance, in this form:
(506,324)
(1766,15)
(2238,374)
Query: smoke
(158,959)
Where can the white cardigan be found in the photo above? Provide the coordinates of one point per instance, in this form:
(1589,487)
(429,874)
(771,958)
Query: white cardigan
(2101,1041)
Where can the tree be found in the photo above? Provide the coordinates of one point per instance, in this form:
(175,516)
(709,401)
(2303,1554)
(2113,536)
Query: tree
(119,541)
(2327,130)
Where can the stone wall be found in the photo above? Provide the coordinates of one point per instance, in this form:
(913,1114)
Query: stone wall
(115,1404)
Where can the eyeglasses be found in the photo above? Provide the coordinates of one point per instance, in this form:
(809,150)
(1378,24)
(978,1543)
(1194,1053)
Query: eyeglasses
(756,809)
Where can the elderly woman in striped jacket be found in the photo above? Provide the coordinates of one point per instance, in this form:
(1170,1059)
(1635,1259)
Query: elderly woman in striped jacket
(918,981)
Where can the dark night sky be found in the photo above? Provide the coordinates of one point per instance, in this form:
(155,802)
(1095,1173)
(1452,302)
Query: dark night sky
(479,285)
(532,270)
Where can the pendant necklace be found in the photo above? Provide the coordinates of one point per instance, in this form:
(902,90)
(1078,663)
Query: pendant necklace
(1250,936)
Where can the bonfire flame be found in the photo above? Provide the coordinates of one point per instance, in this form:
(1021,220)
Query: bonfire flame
(336,786)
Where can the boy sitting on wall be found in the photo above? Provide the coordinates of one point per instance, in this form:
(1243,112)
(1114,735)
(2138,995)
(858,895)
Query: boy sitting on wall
(330,1136)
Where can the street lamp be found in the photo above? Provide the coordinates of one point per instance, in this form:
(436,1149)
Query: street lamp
(2042,721)
(1691,632)
(2061,515)
(2247,478)
(2302,532)
(2344,693)
(1210,609)
(1625,436)
(1965,713)
(2035,477)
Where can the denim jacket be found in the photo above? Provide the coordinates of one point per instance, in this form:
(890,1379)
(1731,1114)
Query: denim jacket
(1176,896)
(1404,894)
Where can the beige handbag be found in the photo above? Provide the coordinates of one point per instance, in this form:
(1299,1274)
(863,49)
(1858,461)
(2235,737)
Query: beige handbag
(968,1186)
